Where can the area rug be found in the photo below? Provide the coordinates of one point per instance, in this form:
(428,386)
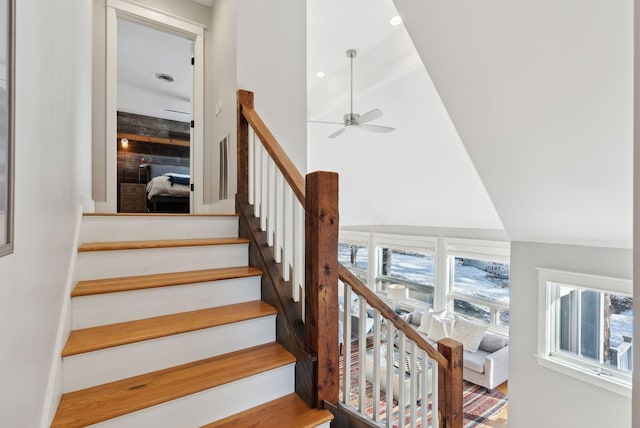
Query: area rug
(479,404)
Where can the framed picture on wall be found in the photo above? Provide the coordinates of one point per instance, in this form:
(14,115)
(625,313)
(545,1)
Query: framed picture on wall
(6,125)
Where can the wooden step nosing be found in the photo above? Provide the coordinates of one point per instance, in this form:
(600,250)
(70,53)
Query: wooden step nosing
(90,247)
(142,282)
(121,362)
(159,337)
(125,396)
(275,411)
(89,334)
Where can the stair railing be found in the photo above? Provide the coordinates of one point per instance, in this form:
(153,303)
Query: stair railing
(292,224)
(271,199)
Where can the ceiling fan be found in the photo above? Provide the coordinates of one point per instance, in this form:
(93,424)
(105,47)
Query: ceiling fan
(354,120)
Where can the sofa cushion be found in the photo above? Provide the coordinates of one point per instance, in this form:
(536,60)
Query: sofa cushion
(468,333)
(425,321)
(492,342)
(440,326)
(475,360)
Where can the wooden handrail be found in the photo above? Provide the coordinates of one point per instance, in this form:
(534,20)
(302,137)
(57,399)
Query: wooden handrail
(286,165)
(388,313)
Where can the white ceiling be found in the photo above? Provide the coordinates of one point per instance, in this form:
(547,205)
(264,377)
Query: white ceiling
(204,2)
(144,52)
(418,175)
(543,102)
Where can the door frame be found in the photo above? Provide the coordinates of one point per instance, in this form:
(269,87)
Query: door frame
(172,24)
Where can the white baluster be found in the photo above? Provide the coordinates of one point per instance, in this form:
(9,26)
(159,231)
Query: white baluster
(424,389)
(298,256)
(251,167)
(401,355)
(434,392)
(288,231)
(346,345)
(278,247)
(391,331)
(362,348)
(271,217)
(264,208)
(376,364)
(257,176)
(413,382)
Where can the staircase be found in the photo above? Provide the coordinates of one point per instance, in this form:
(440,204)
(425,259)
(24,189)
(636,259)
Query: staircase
(168,330)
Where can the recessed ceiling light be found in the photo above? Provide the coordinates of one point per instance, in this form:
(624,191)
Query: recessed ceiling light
(165,77)
(320,74)
(396,20)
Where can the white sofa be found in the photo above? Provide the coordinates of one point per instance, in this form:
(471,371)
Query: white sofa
(488,366)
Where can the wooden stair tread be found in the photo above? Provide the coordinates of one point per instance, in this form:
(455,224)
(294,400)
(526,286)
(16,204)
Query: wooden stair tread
(157,215)
(114,285)
(104,402)
(108,336)
(288,411)
(159,243)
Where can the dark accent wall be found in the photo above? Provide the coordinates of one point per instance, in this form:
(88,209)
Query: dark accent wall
(130,123)
(153,153)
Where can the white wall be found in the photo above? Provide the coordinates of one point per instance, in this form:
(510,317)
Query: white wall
(220,78)
(272,64)
(53,140)
(539,396)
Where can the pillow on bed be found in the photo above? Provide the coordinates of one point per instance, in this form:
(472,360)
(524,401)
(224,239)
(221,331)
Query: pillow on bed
(175,174)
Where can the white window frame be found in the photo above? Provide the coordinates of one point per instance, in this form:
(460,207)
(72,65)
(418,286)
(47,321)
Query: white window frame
(418,243)
(490,251)
(548,280)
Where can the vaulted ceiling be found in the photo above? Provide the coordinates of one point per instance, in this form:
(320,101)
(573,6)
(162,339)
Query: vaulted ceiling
(418,175)
(541,96)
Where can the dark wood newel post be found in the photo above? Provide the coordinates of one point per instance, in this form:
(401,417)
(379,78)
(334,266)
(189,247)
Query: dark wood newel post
(246,98)
(450,385)
(321,278)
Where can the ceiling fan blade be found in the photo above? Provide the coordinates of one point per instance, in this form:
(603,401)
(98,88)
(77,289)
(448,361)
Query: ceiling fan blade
(376,128)
(368,117)
(322,121)
(338,132)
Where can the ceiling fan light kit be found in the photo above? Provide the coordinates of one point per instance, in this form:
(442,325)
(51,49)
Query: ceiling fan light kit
(352,120)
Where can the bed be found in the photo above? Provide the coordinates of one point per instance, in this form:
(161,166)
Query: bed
(169,189)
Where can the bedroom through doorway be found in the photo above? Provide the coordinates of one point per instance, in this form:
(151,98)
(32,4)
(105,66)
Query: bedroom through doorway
(154,117)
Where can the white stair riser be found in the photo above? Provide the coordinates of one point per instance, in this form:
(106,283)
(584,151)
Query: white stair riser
(111,308)
(211,405)
(325,425)
(119,263)
(137,228)
(107,365)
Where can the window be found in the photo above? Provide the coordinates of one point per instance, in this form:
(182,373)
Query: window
(409,261)
(587,324)
(410,268)
(356,258)
(479,281)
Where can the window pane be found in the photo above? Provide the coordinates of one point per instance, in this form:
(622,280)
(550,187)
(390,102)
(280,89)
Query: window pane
(407,266)
(596,326)
(411,268)
(353,256)
(471,310)
(503,318)
(481,280)
(620,314)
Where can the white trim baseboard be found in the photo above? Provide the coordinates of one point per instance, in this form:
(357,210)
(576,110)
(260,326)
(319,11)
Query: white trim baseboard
(54,383)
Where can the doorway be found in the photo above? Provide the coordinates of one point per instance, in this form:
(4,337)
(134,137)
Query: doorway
(154,113)
(159,144)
